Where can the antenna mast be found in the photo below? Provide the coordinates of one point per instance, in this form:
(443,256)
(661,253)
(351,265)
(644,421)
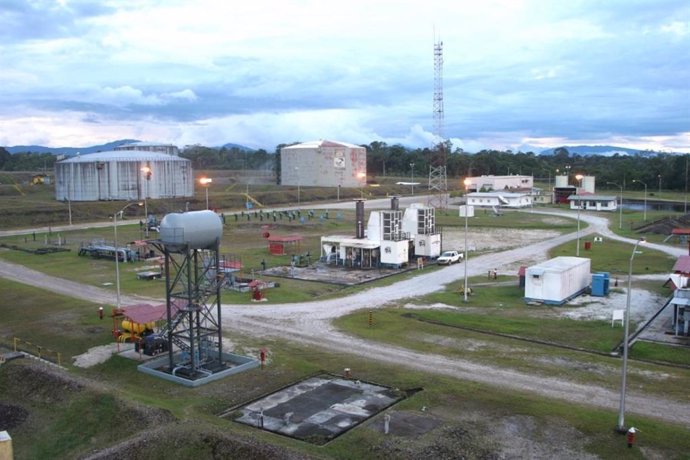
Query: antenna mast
(437,166)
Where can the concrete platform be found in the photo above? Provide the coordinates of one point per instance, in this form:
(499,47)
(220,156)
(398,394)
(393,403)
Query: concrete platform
(332,274)
(319,408)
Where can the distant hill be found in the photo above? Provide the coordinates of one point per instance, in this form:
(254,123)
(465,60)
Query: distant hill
(95,148)
(68,150)
(603,150)
(231,145)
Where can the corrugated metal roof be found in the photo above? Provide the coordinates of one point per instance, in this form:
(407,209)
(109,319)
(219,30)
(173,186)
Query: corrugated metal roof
(560,263)
(582,197)
(322,143)
(682,264)
(123,156)
(145,313)
(497,194)
(147,144)
(348,241)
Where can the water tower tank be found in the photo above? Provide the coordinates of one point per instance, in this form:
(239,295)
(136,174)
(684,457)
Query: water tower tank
(198,229)
(588,184)
(561,181)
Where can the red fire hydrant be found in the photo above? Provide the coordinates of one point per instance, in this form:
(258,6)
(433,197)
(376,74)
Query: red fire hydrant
(631,436)
(262,357)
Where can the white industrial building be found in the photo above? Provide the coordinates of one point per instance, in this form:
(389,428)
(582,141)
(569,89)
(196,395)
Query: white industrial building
(419,221)
(591,202)
(491,183)
(121,174)
(586,185)
(391,238)
(323,163)
(499,199)
(557,280)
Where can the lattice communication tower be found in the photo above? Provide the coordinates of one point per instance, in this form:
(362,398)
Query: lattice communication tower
(438,181)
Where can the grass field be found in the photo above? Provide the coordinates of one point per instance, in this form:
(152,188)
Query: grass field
(67,421)
(115,402)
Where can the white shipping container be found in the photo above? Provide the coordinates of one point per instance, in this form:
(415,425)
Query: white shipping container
(557,280)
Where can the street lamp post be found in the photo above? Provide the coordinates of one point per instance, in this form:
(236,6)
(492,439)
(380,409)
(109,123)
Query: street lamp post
(621,412)
(620,205)
(659,176)
(579,206)
(644,212)
(412,177)
(467,185)
(147,175)
(117,252)
(206,182)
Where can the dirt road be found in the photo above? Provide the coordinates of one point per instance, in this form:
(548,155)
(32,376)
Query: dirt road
(310,324)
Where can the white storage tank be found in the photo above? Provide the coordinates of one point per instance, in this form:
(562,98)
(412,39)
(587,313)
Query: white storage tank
(588,184)
(561,181)
(198,229)
(123,175)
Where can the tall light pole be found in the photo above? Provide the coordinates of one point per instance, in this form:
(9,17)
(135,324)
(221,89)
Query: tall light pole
(620,205)
(645,199)
(117,251)
(412,177)
(659,176)
(579,206)
(147,175)
(467,186)
(685,200)
(206,182)
(621,411)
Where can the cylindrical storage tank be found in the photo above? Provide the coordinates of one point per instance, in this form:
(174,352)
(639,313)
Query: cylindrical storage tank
(137,328)
(561,181)
(198,229)
(119,175)
(588,184)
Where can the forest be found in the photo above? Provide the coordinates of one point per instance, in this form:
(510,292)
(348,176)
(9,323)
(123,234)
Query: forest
(665,171)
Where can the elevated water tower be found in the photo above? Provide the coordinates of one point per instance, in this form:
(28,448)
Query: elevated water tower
(190,243)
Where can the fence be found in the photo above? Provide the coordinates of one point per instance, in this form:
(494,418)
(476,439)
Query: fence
(37,351)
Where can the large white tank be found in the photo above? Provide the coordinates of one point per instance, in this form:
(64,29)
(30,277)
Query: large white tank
(198,229)
(561,181)
(588,184)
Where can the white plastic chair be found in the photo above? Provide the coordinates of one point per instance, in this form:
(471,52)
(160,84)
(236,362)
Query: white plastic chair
(618,315)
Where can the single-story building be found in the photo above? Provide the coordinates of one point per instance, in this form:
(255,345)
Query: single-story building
(541,196)
(499,199)
(557,280)
(591,202)
(491,182)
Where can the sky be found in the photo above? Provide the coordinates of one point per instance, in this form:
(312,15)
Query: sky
(523,75)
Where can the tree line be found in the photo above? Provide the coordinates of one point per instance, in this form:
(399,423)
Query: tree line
(657,170)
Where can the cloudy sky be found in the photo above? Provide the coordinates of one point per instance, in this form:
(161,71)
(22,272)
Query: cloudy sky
(518,74)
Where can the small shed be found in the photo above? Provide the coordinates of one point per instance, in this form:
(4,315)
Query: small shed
(278,244)
(557,280)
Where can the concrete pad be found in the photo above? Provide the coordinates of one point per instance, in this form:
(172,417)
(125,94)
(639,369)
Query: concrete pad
(319,408)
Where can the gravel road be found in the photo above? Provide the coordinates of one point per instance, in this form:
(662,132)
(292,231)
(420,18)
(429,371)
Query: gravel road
(310,324)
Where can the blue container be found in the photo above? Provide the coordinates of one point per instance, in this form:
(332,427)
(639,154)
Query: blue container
(600,284)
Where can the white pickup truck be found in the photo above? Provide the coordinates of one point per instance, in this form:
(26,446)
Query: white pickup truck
(449,257)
